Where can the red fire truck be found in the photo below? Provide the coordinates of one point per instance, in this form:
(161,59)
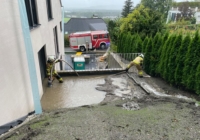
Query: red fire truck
(90,39)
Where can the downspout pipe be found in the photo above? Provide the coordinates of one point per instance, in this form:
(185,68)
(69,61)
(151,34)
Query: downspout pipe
(63,21)
(30,57)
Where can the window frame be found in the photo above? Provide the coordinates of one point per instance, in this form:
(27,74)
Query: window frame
(49,9)
(32,14)
(61,26)
(105,35)
(95,36)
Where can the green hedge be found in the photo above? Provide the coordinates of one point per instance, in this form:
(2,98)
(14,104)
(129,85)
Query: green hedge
(173,57)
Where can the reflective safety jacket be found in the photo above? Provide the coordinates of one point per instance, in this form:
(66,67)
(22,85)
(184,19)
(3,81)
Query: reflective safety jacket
(137,61)
(49,67)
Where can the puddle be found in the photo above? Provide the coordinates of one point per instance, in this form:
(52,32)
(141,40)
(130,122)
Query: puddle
(74,92)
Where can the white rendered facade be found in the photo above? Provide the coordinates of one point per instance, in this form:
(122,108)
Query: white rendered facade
(15,87)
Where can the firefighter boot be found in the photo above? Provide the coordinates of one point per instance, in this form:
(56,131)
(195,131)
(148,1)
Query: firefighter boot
(140,73)
(60,80)
(49,83)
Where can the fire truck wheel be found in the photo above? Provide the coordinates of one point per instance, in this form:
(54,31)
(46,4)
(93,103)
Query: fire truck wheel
(103,46)
(82,48)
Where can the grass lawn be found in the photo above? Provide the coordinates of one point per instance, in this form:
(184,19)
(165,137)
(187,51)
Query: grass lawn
(66,20)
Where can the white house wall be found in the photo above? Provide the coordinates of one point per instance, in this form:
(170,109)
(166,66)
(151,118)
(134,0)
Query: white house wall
(197,16)
(43,35)
(15,88)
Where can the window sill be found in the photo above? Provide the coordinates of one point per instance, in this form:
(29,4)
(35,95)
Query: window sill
(34,27)
(50,19)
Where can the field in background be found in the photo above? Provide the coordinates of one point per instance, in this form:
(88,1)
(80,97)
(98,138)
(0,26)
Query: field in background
(66,20)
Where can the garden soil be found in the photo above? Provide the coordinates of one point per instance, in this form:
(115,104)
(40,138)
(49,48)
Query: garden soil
(135,116)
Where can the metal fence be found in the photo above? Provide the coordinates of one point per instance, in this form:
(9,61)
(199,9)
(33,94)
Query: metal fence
(114,61)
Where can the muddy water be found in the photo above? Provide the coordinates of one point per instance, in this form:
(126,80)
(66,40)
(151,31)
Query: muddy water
(74,92)
(123,87)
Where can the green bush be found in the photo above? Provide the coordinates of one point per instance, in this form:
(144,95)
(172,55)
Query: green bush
(144,44)
(180,60)
(157,41)
(66,39)
(163,53)
(192,62)
(167,66)
(147,57)
(197,80)
(172,58)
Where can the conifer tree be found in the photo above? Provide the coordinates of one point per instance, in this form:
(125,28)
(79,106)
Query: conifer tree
(163,54)
(192,61)
(127,8)
(127,42)
(123,43)
(139,45)
(118,42)
(173,54)
(144,44)
(197,81)
(133,45)
(180,60)
(167,58)
(164,39)
(147,56)
(157,41)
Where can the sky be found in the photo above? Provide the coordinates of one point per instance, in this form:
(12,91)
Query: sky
(98,4)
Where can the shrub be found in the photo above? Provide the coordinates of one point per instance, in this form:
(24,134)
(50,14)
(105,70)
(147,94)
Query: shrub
(66,39)
(180,60)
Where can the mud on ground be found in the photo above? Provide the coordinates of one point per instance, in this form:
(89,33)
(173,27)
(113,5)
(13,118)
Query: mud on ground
(136,116)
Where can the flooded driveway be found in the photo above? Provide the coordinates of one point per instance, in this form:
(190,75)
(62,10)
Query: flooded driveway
(74,92)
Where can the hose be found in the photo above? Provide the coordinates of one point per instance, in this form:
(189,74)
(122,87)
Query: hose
(108,75)
(70,66)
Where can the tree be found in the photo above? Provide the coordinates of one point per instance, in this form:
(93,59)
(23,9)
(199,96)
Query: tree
(172,58)
(197,81)
(127,8)
(142,21)
(162,6)
(157,41)
(147,56)
(192,61)
(186,12)
(167,60)
(144,44)
(180,60)
(133,44)
(113,28)
(127,43)
(163,55)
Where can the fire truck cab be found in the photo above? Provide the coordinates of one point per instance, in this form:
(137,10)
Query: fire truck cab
(89,40)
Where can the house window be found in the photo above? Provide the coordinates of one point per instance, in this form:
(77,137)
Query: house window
(31,13)
(49,11)
(61,26)
(56,41)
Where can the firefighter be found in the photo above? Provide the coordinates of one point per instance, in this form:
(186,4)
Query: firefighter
(138,61)
(105,56)
(50,63)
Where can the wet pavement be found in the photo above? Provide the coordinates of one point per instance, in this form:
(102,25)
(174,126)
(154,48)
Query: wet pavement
(74,92)
(80,91)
